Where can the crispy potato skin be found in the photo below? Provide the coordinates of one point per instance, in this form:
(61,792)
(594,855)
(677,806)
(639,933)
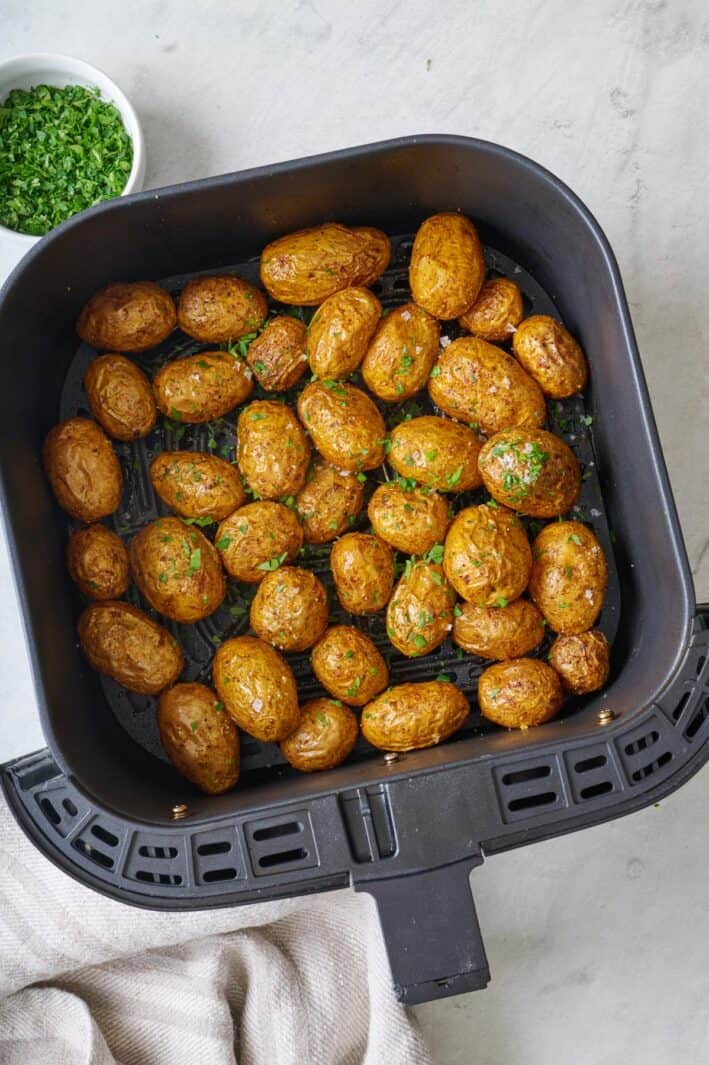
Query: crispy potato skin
(98,561)
(530,470)
(549,354)
(82,469)
(363,571)
(220,308)
(420,611)
(410,716)
(328,502)
(569,576)
(289,610)
(120,397)
(340,331)
(177,570)
(410,520)
(487,557)
(197,485)
(199,738)
(402,353)
(582,661)
(278,356)
(344,424)
(497,311)
(447,265)
(520,693)
(273,452)
(498,632)
(349,666)
(437,453)
(122,642)
(324,737)
(482,385)
(127,316)
(309,265)
(257,533)
(257,688)
(202,387)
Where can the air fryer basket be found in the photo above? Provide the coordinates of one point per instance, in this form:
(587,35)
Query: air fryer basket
(100,803)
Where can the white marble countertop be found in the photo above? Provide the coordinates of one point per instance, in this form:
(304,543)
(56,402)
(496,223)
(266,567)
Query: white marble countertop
(597,940)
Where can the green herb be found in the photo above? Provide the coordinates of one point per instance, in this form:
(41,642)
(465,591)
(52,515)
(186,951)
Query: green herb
(216,640)
(349,654)
(575,539)
(494,692)
(195,560)
(501,601)
(202,522)
(256,417)
(243,529)
(457,611)
(454,477)
(436,577)
(194,725)
(587,419)
(259,367)
(354,686)
(273,563)
(418,640)
(435,372)
(435,554)
(493,504)
(335,386)
(237,611)
(322,719)
(335,702)
(444,678)
(362,478)
(430,455)
(567,571)
(404,363)
(222,543)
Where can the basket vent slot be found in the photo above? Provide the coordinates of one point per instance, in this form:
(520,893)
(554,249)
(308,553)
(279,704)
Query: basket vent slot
(222,846)
(651,767)
(592,772)
(700,663)
(70,807)
(697,720)
(369,823)
(594,790)
(643,743)
(586,765)
(156,858)
(282,858)
(93,853)
(211,875)
(677,712)
(527,789)
(59,810)
(537,772)
(147,876)
(105,836)
(50,811)
(528,802)
(281,844)
(157,852)
(291,828)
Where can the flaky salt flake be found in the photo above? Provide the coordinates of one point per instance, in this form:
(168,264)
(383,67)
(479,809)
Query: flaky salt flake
(594,512)
(405,315)
(589,595)
(445,341)
(257,704)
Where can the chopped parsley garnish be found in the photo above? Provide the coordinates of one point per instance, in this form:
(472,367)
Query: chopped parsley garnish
(454,477)
(575,539)
(202,522)
(418,640)
(273,563)
(195,560)
(457,612)
(501,601)
(222,543)
(435,554)
(444,678)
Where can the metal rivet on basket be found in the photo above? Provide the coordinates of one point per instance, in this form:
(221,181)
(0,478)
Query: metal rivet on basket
(179,810)
(391,757)
(605,716)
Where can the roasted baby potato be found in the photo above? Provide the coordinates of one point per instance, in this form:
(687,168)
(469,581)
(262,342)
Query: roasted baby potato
(258,538)
(520,693)
(410,519)
(127,316)
(496,312)
(487,557)
(98,562)
(257,688)
(277,356)
(569,576)
(363,571)
(215,310)
(289,610)
(498,632)
(437,453)
(177,570)
(199,738)
(349,666)
(482,385)
(340,331)
(582,661)
(328,503)
(323,738)
(308,266)
(82,469)
(530,470)
(447,265)
(122,642)
(549,354)
(202,387)
(196,484)
(410,716)
(120,397)
(272,451)
(420,611)
(402,353)
(344,424)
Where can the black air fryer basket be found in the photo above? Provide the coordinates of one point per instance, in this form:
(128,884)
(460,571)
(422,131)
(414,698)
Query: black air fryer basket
(103,803)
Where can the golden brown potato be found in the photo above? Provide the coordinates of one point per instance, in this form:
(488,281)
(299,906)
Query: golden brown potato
(257,539)
(402,353)
(410,716)
(530,470)
(349,666)
(289,609)
(498,632)
(196,484)
(410,519)
(308,266)
(550,355)
(277,356)
(420,611)
(482,385)
(487,557)
(257,688)
(120,397)
(340,331)
(519,694)
(569,576)
(98,562)
(344,424)
(363,571)
(217,309)
(177,570)
(199,738)
(202,387)
(82,469)
(325,735)
(122,642)
(437,453)
(582,661)
(447,265)
(273,452)
(328,503)
(496,312)
(129,316)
